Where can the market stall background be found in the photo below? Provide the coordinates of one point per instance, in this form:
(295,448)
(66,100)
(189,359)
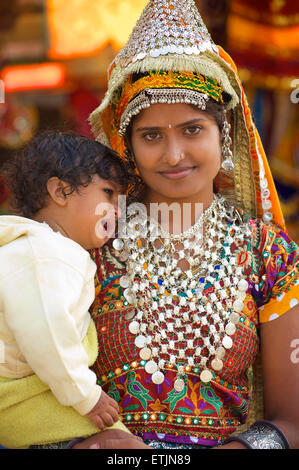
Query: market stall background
(54,57)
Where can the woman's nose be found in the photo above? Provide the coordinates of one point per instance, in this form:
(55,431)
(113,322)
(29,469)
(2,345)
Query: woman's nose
(173,153)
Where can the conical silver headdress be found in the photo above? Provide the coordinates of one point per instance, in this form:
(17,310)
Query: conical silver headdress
(167,27)
(170,36)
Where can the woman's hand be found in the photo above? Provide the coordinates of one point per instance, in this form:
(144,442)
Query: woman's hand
(112,439)
(120,444)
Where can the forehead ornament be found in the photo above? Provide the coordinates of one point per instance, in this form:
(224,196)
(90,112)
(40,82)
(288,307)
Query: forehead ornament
(151,96)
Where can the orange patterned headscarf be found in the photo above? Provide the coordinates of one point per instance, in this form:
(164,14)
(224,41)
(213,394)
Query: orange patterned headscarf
(263,179)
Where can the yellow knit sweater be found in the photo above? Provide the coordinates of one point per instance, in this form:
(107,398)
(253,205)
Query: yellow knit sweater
(30,414)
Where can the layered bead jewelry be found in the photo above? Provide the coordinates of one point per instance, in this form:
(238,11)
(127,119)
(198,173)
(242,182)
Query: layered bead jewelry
(174,320)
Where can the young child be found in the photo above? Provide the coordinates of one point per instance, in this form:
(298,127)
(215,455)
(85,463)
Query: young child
(63,186)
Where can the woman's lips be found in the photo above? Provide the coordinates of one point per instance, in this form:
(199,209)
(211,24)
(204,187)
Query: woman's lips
(178,173)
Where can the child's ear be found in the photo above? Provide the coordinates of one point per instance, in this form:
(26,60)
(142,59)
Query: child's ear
(56,188)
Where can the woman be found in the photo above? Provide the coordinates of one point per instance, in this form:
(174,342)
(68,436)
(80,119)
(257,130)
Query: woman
(185,303)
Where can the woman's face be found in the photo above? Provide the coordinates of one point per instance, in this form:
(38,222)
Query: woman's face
(177,151)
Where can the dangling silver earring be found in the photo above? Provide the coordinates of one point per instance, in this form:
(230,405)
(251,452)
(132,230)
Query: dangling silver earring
(227,164)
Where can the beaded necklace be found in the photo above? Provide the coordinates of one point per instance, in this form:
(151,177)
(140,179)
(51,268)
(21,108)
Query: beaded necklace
(176,323)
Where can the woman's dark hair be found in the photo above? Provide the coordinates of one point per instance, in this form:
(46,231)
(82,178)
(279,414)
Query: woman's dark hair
(72,158)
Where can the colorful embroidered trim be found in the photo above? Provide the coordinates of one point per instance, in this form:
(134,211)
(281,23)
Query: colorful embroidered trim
(161,79)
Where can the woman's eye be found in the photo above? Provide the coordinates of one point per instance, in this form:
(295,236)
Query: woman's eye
(151,136)
(192,130)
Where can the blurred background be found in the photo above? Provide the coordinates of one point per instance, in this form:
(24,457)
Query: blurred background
(54,56)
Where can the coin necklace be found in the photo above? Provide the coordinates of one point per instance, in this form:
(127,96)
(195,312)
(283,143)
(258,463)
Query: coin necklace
(175,322)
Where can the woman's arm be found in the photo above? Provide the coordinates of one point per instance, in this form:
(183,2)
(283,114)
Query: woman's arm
(281,373)
(279,339)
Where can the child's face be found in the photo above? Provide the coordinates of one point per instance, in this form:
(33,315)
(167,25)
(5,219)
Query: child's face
(93,212)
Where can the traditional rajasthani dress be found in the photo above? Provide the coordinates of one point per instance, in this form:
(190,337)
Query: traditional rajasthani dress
(176,349)
(204,414)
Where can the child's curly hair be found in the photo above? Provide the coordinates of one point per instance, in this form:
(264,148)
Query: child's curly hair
(72,158)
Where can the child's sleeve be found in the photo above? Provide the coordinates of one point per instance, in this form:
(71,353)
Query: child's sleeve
(41,305)
(279,285)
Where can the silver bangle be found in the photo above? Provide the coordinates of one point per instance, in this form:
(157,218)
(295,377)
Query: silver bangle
(262,435)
